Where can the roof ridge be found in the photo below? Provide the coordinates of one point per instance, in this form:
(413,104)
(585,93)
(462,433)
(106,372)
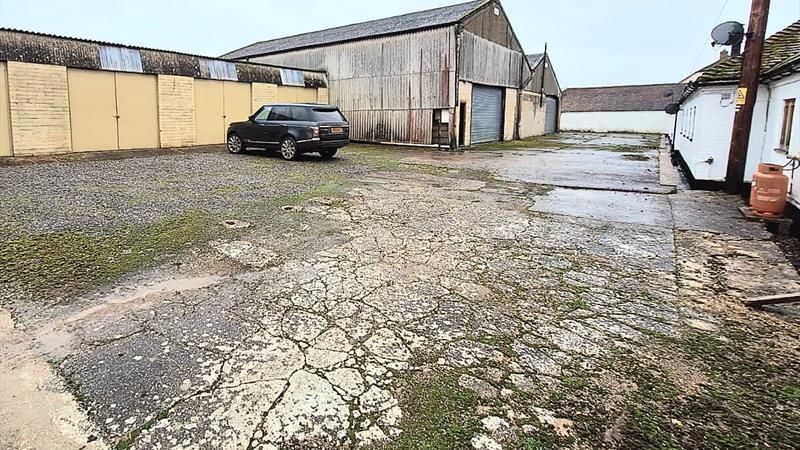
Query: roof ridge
(479,3)
(623,86)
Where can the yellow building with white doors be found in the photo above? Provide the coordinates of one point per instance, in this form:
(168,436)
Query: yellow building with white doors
(61,95)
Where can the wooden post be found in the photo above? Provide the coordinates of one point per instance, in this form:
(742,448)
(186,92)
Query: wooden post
(773,299)
(751,68)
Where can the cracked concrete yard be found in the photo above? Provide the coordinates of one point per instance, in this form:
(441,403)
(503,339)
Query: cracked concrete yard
(549,293)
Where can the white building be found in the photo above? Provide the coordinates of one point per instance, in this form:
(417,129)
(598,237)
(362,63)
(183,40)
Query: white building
(705,120)
(634,108)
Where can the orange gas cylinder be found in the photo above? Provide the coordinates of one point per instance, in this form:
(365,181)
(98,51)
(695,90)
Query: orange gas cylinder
(768,192)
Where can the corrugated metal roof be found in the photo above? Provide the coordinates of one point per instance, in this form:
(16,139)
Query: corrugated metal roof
(780,50)
(41,48)
(392,25)
(647,97)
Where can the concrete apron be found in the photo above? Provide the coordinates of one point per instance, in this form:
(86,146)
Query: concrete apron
(36,409)
(604,187)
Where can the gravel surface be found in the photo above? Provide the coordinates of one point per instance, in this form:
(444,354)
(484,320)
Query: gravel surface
(97,195)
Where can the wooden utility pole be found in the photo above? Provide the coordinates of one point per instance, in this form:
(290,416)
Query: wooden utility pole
(746,96)
(544,72)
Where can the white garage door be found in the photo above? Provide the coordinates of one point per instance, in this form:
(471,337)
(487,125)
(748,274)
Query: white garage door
(487,114)
(551,115)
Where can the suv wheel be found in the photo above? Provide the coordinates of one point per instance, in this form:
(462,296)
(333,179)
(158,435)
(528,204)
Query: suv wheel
(235,144)
(289,148)
(326,154)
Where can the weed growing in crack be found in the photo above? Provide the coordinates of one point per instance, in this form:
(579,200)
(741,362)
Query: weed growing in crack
(128,440)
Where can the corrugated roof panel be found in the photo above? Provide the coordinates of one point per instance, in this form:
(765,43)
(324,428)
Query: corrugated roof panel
(407,22)
(40,48)
(218,70)
(121,59)
(290,77)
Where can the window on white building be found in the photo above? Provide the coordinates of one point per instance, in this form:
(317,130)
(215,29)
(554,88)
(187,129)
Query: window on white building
(786,126)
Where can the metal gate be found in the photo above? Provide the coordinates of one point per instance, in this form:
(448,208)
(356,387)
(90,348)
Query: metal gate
(487,114)
(551,115)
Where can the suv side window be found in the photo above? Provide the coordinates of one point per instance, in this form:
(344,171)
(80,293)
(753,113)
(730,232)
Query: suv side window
(299,113)
(263,115)
(280,113)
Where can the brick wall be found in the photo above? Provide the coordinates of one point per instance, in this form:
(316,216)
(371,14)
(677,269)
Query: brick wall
(176,111)
(264,93)
(5,121)
(322,95)
(39,108)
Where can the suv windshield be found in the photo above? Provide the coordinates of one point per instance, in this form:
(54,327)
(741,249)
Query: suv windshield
(327,115)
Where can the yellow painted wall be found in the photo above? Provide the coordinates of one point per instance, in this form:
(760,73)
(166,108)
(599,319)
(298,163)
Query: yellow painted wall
(510,114)
(322,95)
(47,109)
(208,111)
(137,106)
(263,94)
(176,111)
(93,110)
(5,120)
(464,95)
(39,108)
(296,94)
(532,115)
(237,102)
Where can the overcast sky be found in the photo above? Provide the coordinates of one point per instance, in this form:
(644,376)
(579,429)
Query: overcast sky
(590,42)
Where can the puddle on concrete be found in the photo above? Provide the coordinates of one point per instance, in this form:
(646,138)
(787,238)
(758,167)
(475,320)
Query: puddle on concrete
(613,206)
(55,339)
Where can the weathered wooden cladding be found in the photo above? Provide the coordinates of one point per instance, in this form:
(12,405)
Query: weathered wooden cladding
(494,27)
(39,48)
(485,62)
(387,86)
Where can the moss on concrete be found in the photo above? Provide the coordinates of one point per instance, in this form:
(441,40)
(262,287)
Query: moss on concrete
(635,157)
(128,440)
(438,413)
(76,260)
(743,397)
(545,141)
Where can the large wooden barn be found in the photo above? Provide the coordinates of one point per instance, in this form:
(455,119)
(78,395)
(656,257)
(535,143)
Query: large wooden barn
(448,76)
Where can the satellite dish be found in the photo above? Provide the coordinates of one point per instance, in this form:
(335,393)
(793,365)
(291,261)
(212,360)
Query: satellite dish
(728,33)
(668,93)
(672,108)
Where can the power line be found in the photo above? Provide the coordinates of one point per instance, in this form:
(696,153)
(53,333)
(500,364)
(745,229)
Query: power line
(703,47)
